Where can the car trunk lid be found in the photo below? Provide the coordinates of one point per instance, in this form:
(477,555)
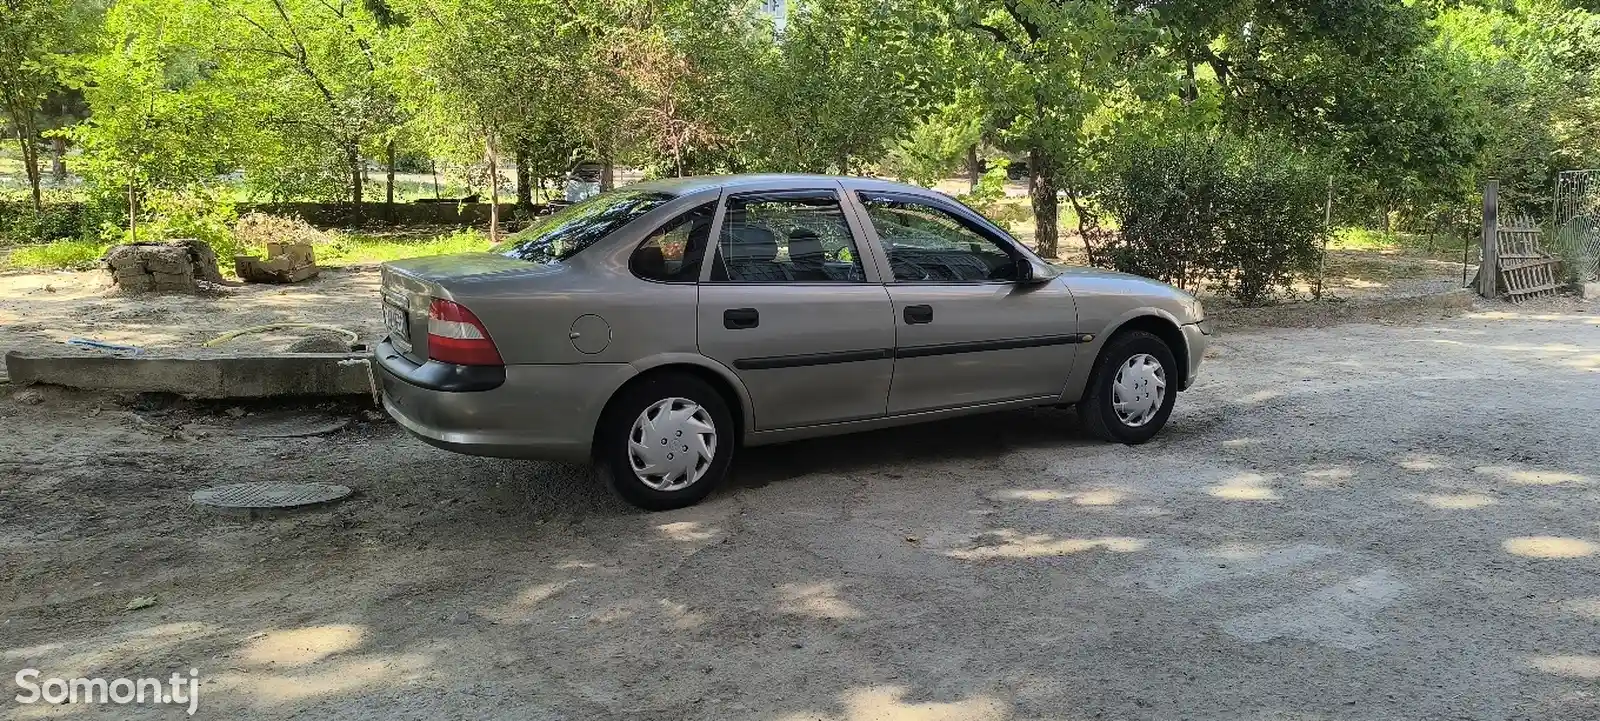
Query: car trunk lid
(409,287)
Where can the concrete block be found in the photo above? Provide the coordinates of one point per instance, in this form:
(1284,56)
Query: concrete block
(1590,291)
(171,261)
(260,376)
(285,262)
(174,265)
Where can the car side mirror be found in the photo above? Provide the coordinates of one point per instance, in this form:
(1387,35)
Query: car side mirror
(1031,272)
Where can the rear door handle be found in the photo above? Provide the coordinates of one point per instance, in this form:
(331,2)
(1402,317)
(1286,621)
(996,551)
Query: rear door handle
(740,318)
(915,314)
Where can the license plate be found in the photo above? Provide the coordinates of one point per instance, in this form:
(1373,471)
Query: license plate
(399,325)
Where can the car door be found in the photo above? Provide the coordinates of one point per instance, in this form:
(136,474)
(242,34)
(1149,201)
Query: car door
(967,331)
(788,303)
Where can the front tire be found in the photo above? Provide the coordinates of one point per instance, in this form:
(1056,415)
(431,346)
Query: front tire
(1131,392)
(665,442)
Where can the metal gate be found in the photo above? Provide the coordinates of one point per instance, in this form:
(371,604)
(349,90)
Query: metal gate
(1576,221)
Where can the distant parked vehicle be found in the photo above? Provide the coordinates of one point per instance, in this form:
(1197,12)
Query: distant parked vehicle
(657,328)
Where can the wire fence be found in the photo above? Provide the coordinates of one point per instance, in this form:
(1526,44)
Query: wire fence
(1575,222)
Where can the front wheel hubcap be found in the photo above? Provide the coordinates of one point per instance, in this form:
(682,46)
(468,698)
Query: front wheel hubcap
(1139,390)
(671,444)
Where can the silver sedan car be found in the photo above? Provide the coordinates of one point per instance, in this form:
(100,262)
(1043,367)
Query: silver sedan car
(657,328)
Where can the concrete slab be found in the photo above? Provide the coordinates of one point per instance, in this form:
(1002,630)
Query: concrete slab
(256,376)
(1590,291)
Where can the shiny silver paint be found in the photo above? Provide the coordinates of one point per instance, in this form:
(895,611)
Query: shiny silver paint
(559,377)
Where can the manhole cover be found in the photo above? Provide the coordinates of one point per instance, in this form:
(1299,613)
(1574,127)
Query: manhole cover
(269,495)
(289,424)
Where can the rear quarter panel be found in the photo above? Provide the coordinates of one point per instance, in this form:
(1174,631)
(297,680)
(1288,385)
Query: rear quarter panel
(532,318)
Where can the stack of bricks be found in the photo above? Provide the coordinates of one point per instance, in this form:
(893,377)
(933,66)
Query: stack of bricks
(174,266)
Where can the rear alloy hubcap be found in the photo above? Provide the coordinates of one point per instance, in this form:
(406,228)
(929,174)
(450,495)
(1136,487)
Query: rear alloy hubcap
(1139,389)
(671,444)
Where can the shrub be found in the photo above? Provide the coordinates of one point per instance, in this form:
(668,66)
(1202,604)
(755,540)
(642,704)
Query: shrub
(59,255)
(66,214)
(199,213)
(989,197)
(1242,214)
(252,231)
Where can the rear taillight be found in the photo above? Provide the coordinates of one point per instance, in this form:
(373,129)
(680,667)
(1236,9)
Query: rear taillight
(456,336)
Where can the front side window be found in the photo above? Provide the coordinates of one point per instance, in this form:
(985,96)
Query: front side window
(672,254)
(926,243)
(560,236)
(786,238)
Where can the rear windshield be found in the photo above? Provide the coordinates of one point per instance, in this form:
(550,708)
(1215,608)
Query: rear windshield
(564,234)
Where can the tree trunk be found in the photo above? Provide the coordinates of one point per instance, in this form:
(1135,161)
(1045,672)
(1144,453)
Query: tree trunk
(524,178)
(973,173)
(433,167)
(388,193)
(492,151)
(1088,228)
(58,159)
(352,158)
(30,159)
(608,172)
(1046,207)
(133,212)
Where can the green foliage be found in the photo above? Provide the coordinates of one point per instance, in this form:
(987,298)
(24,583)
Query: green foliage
(366,249)
(203,213)
(59,255)
(1532,68)
(35,35)
(847,79)
(21,222)
(935,147)
(1412,104)
(1243,215)
(160,120)
(991,185)
(182,91)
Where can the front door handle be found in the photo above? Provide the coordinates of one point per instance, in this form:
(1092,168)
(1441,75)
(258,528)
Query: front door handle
(740,318)
(915,314)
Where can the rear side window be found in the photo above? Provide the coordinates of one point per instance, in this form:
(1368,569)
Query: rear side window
(566,233)
(790,237)
(672,254)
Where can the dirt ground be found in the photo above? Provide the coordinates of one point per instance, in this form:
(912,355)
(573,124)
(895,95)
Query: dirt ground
(1346,523)
(40,312)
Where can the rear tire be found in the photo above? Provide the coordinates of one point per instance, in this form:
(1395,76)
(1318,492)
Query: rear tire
(651,442)
(1143,409)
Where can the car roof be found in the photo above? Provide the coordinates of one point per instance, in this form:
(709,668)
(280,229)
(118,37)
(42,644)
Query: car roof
(696,183)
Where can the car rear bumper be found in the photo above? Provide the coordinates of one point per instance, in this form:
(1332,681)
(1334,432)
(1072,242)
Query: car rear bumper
(1196,336)
(546,412)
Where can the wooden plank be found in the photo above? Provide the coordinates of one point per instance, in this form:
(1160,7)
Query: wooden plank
(1533,291)
(1491,224)
(1522,266)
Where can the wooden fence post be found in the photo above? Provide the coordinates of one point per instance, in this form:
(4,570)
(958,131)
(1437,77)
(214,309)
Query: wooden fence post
(1489,269)
(1327,230)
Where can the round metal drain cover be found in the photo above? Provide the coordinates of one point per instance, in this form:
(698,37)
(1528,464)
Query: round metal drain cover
(289,424)
(269,495)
